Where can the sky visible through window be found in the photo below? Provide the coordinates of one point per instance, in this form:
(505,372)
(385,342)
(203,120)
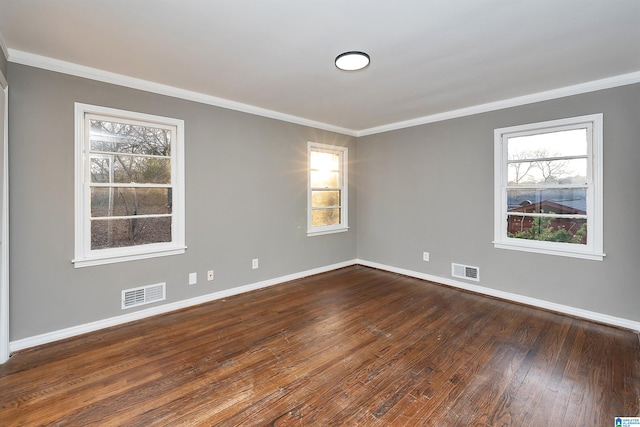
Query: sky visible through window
(552,157)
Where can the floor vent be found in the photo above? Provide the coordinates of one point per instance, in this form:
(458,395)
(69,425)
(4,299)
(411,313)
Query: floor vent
(143,295)
(465,272)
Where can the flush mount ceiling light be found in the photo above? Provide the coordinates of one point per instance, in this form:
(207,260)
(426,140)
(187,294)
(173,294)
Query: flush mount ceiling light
(352,61)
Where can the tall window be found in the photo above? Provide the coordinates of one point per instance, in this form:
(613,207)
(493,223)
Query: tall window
(327,191)
(129,185)
(548,195)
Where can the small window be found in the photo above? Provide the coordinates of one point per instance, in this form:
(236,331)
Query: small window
(129,186)
(548,187)
(327,190)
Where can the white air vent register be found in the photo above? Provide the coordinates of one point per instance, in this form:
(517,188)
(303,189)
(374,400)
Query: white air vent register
(143,295)
(465,272)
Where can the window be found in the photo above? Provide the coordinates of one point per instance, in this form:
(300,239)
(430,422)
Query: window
(129,186)
(327,191)
(548,187)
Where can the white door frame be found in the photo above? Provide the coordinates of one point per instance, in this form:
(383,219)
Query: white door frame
(4,229)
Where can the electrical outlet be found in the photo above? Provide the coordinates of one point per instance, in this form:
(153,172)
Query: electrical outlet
(254,263)
(193,278)
(425,256)
(210,275)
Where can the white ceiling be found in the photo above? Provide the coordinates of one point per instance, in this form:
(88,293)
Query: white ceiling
(428,57)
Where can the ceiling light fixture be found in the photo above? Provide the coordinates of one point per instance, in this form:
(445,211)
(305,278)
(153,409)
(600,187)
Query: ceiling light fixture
(352,61)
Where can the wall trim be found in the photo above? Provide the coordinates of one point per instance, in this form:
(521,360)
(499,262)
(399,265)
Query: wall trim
(508,296)
(50,337)
(592,86)
(50,64)
(4,233)
(46,63)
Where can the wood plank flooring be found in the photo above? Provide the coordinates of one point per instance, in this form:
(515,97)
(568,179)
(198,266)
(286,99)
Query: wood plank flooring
(355,346)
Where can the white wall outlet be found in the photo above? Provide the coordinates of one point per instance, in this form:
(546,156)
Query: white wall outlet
(425,256)
(254,263)
(193,278)
(210,275)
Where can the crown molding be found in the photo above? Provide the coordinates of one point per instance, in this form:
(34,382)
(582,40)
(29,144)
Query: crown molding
(38,61)
(592,86)
(46,63)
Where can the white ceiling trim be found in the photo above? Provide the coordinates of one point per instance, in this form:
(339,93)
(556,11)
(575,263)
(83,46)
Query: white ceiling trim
(621,80)
(38,61)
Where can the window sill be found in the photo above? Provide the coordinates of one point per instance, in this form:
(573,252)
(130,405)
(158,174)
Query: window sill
(594,256)
(89,262)
(331,231)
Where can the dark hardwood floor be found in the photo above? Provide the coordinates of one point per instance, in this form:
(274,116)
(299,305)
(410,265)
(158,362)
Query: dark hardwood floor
(355,346)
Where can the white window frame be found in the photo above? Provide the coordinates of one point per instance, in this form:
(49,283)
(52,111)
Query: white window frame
(593,250)
(343,187)
(84,255)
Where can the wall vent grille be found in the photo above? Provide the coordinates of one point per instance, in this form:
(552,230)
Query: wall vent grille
(143,295)
(465,272)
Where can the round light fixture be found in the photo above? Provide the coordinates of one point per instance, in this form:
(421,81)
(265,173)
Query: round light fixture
(352,61)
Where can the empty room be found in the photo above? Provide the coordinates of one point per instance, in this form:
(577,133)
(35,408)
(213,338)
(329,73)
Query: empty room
(283,212)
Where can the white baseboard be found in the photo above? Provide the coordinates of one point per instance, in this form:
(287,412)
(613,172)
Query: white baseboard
(534,302)
(141,314)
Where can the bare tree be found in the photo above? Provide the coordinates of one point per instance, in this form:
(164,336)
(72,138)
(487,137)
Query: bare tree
(522,168)
(131,154)
(548,164)
(525,165)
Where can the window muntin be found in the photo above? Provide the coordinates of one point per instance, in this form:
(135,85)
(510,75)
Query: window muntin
(327,208)
(130,185)
(548,187)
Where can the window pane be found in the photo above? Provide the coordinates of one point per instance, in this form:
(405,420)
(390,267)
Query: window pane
(325,161)
(573,171)
(548,187)
(125,138)
(325,198)
(320,217)
(101,169)
(127,169)
(552,144)
(130,201)
(129,232)
(327,190)
(571,201)
(548,229)
(324,179)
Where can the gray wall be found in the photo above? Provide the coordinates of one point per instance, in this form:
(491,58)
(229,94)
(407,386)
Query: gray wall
(427,188)
(430,188)
(245,198)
